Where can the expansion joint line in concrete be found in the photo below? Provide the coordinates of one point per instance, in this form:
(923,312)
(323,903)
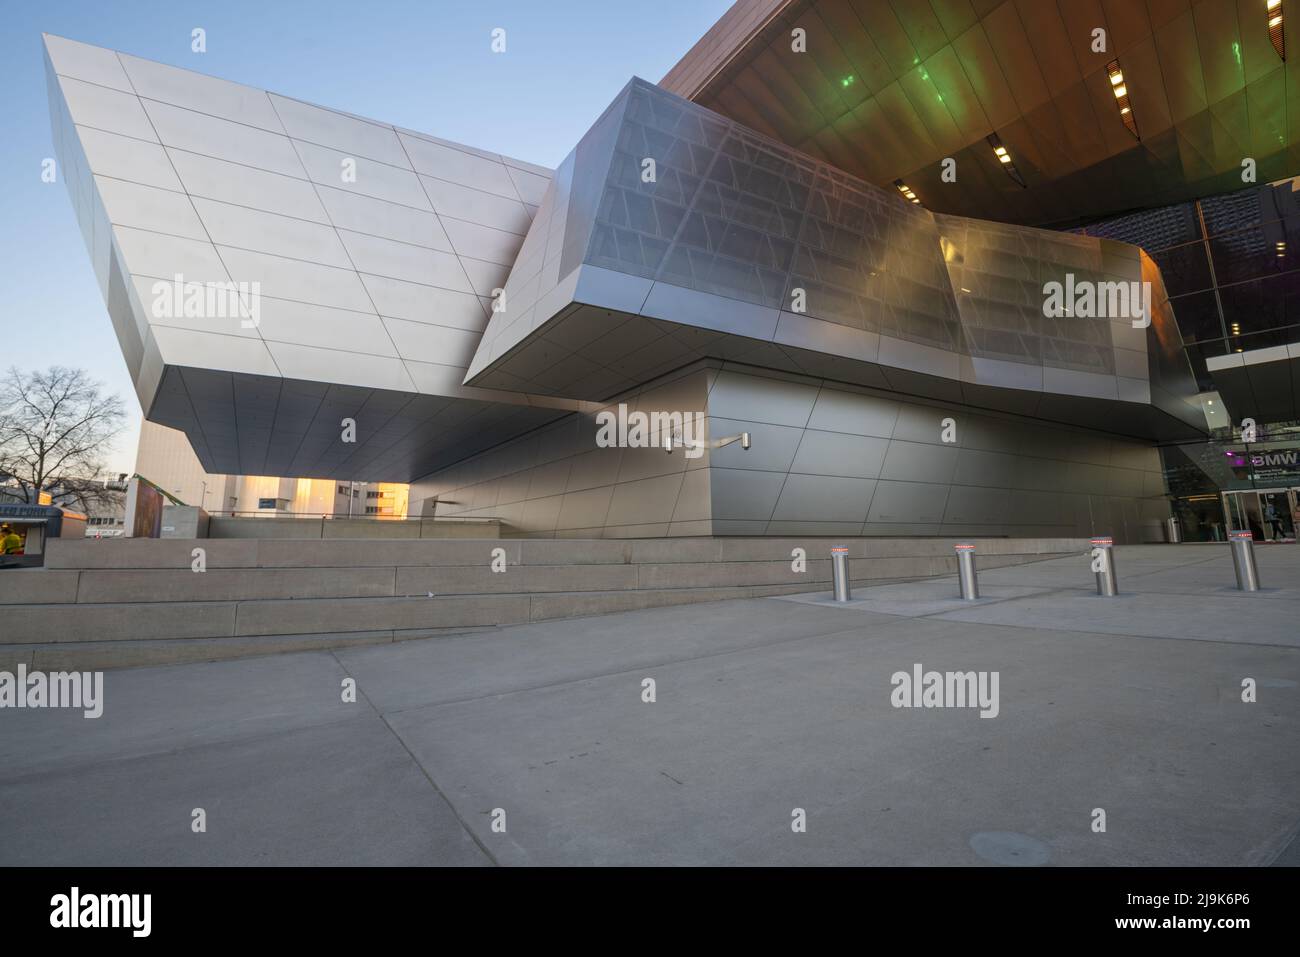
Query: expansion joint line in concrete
(423,770)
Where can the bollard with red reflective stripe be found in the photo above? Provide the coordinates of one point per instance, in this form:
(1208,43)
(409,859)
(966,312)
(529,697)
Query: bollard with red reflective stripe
(1242,543)
(1103,563)
(840,573)
(970,586)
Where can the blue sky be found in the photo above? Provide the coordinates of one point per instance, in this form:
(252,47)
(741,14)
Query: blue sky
(423,65)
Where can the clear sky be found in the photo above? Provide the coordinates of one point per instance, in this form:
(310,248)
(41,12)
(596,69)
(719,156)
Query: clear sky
(422,64)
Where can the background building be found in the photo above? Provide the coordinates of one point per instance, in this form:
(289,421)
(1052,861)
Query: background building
(165,458)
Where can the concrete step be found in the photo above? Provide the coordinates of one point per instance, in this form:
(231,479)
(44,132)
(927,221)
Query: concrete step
(55,586)
(139,601)
(126,553)
(55,637)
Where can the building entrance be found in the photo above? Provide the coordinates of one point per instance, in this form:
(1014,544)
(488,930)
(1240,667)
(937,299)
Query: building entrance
(1270,514)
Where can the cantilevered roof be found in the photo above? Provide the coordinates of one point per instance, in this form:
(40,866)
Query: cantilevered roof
(888,88)
(371,252)
(672,234)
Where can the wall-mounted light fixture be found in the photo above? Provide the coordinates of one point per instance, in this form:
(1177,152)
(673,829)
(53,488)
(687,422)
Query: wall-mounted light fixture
(675,442)
(742,438)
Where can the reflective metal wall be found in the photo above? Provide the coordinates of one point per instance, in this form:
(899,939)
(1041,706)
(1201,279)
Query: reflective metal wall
(827,461)
(823,461)
(673,234)
(557,482)
(376,251)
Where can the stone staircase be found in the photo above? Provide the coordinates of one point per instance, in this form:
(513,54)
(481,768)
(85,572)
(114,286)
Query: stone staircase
(114,603)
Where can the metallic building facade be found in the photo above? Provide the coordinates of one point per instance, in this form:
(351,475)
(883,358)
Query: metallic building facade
(739,247)
(376,251)
(430,313)
(826,459)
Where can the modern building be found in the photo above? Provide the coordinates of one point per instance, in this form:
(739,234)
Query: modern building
(870,238)
(106,512)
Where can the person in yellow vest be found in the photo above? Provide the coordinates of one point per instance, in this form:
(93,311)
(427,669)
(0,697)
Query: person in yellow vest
(10,543)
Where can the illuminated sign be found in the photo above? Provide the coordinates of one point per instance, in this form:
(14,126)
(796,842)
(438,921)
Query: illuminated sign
(1265,465)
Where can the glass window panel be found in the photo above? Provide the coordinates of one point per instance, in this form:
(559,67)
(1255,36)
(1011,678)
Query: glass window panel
(1197,316)
(1260,340)
(1184,268)
(1152,229)
(1196,355)
(1234,211)
(1262,304)
(1258,251)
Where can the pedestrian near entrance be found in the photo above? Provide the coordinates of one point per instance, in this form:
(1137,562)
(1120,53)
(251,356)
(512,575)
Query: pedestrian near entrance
(1274,520)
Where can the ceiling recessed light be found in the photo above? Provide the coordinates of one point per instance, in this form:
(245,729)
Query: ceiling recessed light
(1276,28)
(1119,87)
(906,191)
(1003,156)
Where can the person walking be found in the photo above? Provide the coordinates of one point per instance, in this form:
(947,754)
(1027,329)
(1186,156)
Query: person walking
(1274,520)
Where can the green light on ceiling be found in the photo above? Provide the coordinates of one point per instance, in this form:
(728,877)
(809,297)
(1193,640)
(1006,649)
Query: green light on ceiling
(1236,52)
(848,80)
(926,77)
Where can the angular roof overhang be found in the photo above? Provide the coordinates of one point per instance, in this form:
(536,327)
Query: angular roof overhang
(742,249)
(886,91)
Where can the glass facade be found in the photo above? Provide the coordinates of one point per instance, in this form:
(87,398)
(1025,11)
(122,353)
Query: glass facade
(736,214)
(1231,266)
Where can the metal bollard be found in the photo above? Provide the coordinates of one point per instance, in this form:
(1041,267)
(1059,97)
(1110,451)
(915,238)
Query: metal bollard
(1242,543)
(1106,583)
(840,573)
(1173,531)
(970,586)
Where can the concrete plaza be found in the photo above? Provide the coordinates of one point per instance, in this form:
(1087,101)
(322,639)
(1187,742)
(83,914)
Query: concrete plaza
(763,705)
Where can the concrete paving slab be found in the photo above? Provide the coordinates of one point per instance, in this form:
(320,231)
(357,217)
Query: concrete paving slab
(1227,617)
(343,793)
(528,656)
(1179,569)
(914,599)
(150,710)
(712,771)
(1132,705)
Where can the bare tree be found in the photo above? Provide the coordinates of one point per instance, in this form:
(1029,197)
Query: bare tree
(54,426)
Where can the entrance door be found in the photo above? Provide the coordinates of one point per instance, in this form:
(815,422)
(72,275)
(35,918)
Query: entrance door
(1279,504)
(1251,510)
